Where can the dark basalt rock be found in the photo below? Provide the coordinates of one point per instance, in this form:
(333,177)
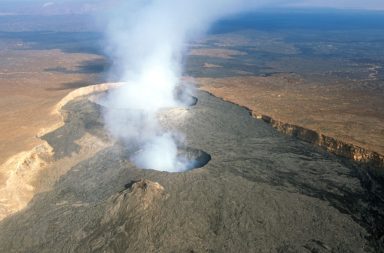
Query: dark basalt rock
(262,192)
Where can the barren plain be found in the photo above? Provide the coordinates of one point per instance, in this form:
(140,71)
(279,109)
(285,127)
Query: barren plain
(65,186)
(317,80)
(261,191)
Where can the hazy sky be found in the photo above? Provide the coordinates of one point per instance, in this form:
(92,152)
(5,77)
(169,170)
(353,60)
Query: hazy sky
(341,4)
(91,5)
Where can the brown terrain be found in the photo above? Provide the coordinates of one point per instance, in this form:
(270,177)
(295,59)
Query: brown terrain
(65,185)
(326,99)
(22,171)
(220,53)
(30,91)
(35,81)
(288,101)
(31,100)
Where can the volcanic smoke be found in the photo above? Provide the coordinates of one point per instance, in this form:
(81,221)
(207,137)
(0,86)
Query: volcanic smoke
(147,41)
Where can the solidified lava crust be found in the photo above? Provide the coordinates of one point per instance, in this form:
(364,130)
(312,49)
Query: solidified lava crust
(261,192)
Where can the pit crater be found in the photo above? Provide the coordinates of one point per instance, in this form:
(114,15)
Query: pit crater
(186,159)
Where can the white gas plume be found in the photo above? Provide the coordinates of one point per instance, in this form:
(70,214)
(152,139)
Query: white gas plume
(147,41)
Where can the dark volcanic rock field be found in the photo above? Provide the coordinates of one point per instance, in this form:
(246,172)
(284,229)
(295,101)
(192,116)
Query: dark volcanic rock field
(260,192)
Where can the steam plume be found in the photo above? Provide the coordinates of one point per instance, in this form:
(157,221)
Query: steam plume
(147,40)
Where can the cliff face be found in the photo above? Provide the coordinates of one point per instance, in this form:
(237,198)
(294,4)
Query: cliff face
(260,192)
(20,173)
(335,117)
(83,91)
(332,145)
(338,110)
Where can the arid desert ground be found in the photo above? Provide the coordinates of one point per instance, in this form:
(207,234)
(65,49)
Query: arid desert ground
(66,186)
